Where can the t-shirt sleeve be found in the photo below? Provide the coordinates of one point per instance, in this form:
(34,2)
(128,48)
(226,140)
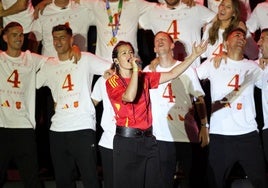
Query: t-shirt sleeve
(154,78)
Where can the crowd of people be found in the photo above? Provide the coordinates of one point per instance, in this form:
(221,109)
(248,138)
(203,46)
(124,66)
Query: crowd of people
(192,107)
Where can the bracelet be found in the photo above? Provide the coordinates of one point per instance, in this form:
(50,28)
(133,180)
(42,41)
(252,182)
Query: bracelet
(205,125)
(135,69)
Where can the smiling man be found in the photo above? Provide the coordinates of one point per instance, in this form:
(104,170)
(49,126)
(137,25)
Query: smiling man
(72,133)
(17,111)
(233,129)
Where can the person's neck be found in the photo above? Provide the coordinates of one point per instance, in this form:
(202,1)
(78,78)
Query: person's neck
(166,61)
(63,57)
(235,56)
(225,24)
(13,53)
(125,73)
(112,1)
(61,3)
(172,6)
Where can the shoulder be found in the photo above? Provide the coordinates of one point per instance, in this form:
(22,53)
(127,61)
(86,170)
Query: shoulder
(35,55)
(51,61)
(147,69)
(252,63)
(112,82)
(262,4)
(87,57)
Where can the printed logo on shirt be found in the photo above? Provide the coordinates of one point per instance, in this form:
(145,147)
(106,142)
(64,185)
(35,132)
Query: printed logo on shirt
(239,106)
(5,104)
(112,81)
(76,104)
(117,106)
(18,105)
(169,117)
(65,106)
(181,118)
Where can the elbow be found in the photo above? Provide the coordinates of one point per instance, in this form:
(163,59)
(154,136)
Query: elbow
(129,98)
(23,6)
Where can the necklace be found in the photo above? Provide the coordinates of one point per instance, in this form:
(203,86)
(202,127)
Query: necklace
(115,25)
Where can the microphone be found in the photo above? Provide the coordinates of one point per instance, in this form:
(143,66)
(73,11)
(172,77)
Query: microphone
(137,61)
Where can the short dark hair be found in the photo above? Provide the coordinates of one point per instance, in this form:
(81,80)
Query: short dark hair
(10,25)
(234,30)
(63,27)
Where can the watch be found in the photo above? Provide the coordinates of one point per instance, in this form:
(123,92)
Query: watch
(205,125)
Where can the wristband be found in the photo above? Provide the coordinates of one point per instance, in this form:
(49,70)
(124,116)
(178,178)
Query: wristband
(135,69)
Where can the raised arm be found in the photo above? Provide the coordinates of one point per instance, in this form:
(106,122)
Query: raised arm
(40,7)
(131,91)
(179,69)
(18,6)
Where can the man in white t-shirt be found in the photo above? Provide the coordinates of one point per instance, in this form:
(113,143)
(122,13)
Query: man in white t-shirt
(72,132)
(17,111)
(258,18)
(20,11)
(60,12)
(115,20)
(233,129)
(182,22)
(174,126)
(263,61)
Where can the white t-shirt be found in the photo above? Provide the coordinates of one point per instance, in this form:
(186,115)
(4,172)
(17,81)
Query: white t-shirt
(182,23)
(217,47)
(166,109)
(25,17)
(258,18)
(238,117)
(78,17)
(17,89)
(128,23)
(265,97)
(99,93)
(70,85)
(263,84)
(213,5)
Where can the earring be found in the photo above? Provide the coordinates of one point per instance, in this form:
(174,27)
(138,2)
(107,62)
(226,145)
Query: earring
(117,65)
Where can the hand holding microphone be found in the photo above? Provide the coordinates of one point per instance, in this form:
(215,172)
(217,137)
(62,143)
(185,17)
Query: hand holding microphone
(136,63)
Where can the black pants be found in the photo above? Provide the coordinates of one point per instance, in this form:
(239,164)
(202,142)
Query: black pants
(107,166)
(188,157)
(71,149)
(265,143)
(246,149)
(136,163)
(19,145)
